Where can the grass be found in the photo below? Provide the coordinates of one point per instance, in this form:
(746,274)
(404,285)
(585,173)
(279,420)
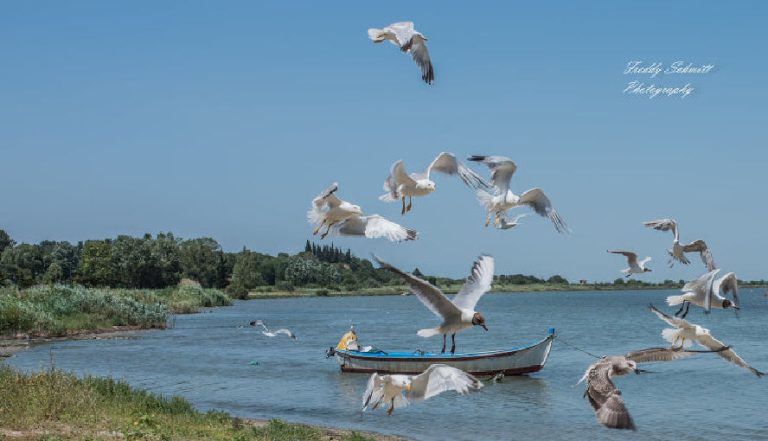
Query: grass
(51,405)
(58,310)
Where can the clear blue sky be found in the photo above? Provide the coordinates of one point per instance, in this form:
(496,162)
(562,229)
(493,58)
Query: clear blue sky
(224,119)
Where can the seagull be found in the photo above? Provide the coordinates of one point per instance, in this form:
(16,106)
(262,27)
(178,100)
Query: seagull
(685,333)
(400,184)
(399,390)
(728,284)
(403,35)
(345,219)
(503,199)
(678,251)
(274,333)
(701,293)
(635,267)
(605,398)
(511,223)
(457,314)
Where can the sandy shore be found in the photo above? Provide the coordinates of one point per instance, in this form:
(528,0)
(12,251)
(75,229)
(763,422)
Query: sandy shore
(11,344)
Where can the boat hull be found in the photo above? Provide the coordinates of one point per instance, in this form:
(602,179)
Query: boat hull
(516,361)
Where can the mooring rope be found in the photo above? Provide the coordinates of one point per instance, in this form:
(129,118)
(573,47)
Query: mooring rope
(560,339)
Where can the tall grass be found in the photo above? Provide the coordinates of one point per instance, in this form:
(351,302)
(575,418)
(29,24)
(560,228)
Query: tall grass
(60,405)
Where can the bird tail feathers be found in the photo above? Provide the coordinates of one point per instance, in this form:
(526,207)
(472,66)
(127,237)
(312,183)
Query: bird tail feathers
(675,300)
(431,332)
(377,35)
(485,198)
(669,334)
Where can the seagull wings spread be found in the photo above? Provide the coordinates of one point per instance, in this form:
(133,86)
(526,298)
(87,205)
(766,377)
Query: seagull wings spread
(540,203)
(439,378)
(502,170)
(699,246)
(374,227)
(477,284)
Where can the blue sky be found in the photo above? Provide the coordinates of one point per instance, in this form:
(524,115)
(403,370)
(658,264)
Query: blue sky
(224,120)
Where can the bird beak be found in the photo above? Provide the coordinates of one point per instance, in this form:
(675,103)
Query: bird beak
(735,307)
(484,327)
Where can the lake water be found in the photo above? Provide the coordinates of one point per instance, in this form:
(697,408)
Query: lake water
(207,359)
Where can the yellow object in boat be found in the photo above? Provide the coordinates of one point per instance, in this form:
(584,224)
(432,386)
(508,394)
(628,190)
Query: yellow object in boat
(347,340)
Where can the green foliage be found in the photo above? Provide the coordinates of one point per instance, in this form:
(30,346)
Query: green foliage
(203,260)
(619,281)
(557,280)
(246,274)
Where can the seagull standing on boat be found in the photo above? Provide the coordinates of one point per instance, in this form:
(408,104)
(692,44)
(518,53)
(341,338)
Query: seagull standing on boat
(400,184)
(400,390)
(635,267)
(457,314)
(678,251)
(701,292)
(685,333)
(345,219)
(270,333)
(605,397)
(404,36)
(503,199)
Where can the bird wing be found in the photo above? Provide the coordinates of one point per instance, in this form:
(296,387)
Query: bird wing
(439,378)
(540,203)
(631,257)
(286,332)
(428,294)
(403,32)
(447,163)
(374,392)
(420,54)
(477,284)
(713,344)
(374,227)
(699,246)
(663,225)
(672,321)
(605,398)
(702,286)
(657,354)
(400,175)
(728,284)
(502,170)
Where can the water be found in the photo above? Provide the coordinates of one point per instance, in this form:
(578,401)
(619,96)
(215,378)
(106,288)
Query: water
(215,364)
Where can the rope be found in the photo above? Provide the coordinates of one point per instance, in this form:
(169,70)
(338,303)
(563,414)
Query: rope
(560,339)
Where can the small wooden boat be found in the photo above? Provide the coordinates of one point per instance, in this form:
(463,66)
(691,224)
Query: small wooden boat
(515,361)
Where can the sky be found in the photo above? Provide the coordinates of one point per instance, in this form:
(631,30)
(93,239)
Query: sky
(225,119)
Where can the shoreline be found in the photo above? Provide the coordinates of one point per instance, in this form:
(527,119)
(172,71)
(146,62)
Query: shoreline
(13,344)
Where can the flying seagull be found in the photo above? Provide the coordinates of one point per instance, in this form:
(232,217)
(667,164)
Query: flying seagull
(635,267)
(403,35)
(503,199)
(400,390)
(270,333)
(678,251)
(506,224)
(457,314)
(701,292)
(345,219)
(605,397)
(400,184)
(683,333)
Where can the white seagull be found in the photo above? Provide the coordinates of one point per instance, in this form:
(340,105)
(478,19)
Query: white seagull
(502,170)
(684,333)
(635,267)
(457,314)
(345,219)
(400,184)
(701,292)
(403,35)
(678,251)
(400,390)
(506,224)
(270,333)
(605,398)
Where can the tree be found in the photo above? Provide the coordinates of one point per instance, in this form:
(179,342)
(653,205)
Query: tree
(201,260)
(246,274)
(5,241)
(619,281)
(96,265)
(557,280)
(22,265)
(54,274)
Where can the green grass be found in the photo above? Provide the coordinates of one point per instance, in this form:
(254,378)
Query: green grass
(51,404)
(58,310)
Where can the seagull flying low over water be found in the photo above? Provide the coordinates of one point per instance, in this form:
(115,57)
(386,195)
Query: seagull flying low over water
(705,292)
(270,333)
(457,314)
(503,199)
(400,390)
(605,397)
(404,36)
(400,184)
(678,251)
(345,219)
(635,267)
(683,333)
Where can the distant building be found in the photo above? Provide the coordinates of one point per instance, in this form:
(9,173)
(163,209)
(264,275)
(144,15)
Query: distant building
(583,282)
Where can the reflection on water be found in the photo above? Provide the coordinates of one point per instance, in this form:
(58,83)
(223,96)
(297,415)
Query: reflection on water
(217,362)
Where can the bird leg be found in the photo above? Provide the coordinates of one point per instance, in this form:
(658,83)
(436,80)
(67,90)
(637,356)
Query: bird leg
(322,236)
(391,406)
(687,307)
(410,204)
(402,212)
(488,219)
(453,345)
(317,230)
(442,351)
(497,220)
(681,308)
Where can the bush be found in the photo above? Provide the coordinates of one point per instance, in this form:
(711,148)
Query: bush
(321,293)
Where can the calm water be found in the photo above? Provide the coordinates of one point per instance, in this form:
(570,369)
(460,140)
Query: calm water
(215,364)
